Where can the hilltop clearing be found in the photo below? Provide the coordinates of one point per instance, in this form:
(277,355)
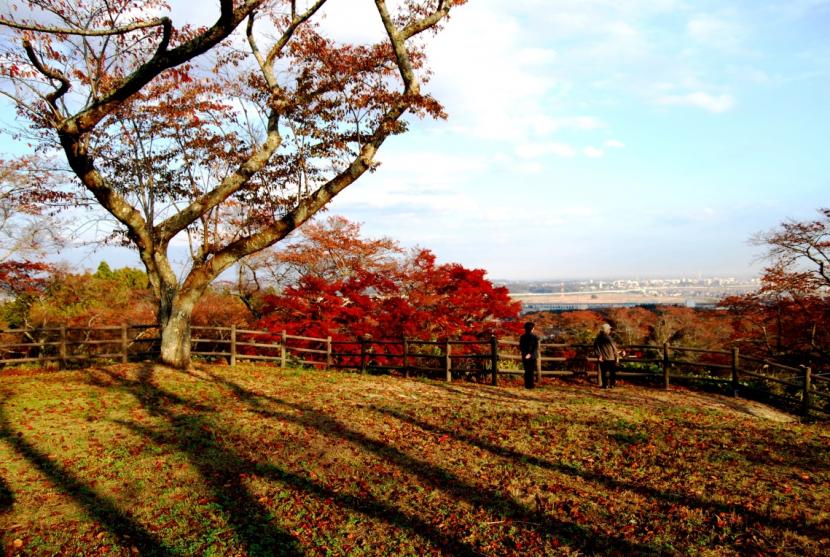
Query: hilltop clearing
(252,460)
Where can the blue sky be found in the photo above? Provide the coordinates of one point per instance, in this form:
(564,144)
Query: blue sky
(604,138)
(595,138)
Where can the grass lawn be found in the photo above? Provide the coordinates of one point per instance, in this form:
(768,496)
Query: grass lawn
(251,460)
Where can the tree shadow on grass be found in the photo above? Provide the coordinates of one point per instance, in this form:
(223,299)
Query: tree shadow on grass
(191,432)
(6,503)
(816,533)
(6,496)
(103,509)
(546,527)
(365,504)
(221,467)
(488,392)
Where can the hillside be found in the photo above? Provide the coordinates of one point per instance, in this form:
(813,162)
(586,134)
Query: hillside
(254,461)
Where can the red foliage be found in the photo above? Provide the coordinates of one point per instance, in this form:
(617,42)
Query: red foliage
(23,277)
(418,300)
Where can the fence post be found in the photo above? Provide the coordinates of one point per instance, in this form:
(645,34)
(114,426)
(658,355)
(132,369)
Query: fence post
(666,365)
(539,365)
(494,358)
(328,352)
(448,360)
(736,363)
(125,345)
(405,362)
(805,400)
(283,350)
(62,349)
(40,347)
(233,345)
(362,341)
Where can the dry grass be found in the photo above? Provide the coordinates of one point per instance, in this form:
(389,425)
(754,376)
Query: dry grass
(254,461)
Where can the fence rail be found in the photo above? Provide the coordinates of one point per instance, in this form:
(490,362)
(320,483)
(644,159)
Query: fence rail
(485,359)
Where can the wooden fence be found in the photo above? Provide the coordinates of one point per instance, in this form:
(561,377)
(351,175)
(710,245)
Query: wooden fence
(483,360)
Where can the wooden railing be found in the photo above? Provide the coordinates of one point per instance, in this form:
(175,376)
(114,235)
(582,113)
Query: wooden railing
(485,359)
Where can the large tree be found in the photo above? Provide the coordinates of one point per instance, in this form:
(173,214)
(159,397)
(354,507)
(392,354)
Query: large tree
(231,136)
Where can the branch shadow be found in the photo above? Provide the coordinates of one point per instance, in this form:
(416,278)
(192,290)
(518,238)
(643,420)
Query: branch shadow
(218,465)
(488,392)
(6,504)
(104,509)
(609,482)
(546,527)
(6,496)
(190,437)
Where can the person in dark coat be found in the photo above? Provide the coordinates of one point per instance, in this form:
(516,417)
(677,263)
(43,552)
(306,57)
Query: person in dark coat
(608,355)
(529,348)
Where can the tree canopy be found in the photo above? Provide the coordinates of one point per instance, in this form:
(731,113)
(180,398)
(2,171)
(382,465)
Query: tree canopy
(229,136)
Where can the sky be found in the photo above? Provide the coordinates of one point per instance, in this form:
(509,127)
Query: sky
(604,138)
(591,138)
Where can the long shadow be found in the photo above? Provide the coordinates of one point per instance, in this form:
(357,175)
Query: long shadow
(221,467)
(488,392)
(6,503)
(190,434)
(217,464)
(365,504)
(579,537)
(6,496)
(103,509)
(612,483)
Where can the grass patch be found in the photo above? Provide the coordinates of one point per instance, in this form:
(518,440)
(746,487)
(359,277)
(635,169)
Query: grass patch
(138,459)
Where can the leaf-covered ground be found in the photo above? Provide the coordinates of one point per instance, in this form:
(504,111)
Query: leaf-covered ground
(138,459)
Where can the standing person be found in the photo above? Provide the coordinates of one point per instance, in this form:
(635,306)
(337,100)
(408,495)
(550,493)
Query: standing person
(608,356)
(529,347)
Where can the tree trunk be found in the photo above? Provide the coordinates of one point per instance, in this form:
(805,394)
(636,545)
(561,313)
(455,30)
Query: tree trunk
(174,321)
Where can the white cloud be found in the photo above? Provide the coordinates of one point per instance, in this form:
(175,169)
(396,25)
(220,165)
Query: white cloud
(546,125)
(593,152)
(714,32)
(416,181)
(531,168)
(699,99)
(497,89)
(541,149)
(535,56)
(614,144)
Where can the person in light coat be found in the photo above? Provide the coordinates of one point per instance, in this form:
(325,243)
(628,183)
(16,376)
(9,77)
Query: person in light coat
(608,355)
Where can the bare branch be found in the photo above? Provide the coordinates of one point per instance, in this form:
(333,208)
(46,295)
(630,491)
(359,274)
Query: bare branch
(48,72)
(296,21)
(399,46)
(428,22)
(163,60)
(267,70)
(163,21)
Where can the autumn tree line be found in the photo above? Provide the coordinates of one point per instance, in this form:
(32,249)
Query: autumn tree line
(331,281)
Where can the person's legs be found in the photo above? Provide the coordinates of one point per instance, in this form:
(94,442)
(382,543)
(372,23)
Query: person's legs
(530,372)
(603,375)
(612,374)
